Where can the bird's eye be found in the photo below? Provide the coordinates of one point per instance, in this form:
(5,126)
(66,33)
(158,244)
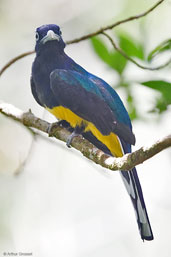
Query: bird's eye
(60,33)
(37,36)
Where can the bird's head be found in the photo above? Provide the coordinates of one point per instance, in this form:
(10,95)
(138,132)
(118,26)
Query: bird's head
(48,35)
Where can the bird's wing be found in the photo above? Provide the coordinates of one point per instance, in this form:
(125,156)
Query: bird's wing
(113,99)
(78,93)
(33,90)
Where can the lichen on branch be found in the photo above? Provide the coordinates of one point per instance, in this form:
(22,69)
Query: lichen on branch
(127,162)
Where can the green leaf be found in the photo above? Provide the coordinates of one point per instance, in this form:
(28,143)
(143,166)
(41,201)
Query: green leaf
(131,46)
(111,58)
(131,107)
(118,62)
(162,86)
(101,49)
(161,105)
(164,46)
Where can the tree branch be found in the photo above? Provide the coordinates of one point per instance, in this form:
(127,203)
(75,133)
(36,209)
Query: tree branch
(131,59)
(127,162)
(100,31)
(8,64)
(109,27)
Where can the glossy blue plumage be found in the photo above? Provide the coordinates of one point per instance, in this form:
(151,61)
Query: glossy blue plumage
(58,81)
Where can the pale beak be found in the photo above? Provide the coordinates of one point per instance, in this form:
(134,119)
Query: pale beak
(50,36)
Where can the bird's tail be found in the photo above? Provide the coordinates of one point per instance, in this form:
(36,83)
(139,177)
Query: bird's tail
(132,184)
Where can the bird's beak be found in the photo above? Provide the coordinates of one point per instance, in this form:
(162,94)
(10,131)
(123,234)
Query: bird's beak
(50,36)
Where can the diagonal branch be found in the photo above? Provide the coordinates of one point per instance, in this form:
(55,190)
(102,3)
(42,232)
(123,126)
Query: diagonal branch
(117,48)
(109,27)
(8,64)
(127,162)
(100,31)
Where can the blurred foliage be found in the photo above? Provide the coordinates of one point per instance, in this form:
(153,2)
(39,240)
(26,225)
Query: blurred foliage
(164,88)
(130,45)
(164,46)
(111,58)
(118,63)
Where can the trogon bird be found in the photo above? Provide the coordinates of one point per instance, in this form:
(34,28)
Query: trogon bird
(86,105)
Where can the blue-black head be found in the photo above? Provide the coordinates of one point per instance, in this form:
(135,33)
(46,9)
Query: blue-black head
(47,36)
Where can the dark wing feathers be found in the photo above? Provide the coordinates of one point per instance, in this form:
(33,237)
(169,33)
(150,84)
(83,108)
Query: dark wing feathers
(78,93)
(34,92)
(112,98)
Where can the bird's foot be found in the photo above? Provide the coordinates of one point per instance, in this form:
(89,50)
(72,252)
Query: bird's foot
(70,138)
(53,126)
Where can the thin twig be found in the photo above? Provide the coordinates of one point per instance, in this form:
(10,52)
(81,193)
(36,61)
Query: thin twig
(109,27)
(127,162)
(100,31)
(132,60)
(8,64)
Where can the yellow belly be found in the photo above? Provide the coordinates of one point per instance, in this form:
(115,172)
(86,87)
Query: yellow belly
(111,140)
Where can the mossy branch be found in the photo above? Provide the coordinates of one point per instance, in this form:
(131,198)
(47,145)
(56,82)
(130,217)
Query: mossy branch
(127,162)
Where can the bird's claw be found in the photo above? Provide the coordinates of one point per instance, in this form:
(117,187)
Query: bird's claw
(52,127)
(70,138)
